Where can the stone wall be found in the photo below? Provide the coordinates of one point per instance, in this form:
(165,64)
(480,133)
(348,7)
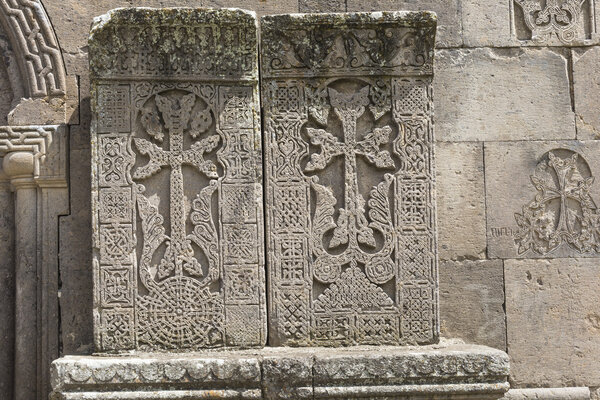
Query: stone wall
(516,124)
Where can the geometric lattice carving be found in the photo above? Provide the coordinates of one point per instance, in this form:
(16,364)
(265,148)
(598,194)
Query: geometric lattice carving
(177,194)
(350,201)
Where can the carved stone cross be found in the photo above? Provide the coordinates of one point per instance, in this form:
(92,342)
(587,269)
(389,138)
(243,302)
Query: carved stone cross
(176,114)
(352,225)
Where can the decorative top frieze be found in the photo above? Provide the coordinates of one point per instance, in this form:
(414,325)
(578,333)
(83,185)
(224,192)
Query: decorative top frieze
(175,44)
(391,43)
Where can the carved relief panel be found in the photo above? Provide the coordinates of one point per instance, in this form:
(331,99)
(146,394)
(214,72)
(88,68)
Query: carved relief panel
(548,209)
(347,101)
(177,171)
(554,22)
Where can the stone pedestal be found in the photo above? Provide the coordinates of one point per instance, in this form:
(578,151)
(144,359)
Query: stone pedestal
(449,370)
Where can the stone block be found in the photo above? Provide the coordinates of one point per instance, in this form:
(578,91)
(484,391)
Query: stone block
(176,188)
(72,23)
(476,100)
(541,199)
(410,373)
(153,377)
(472,302)
(346,133)
(449,28)
(553,320)
(461,200)
(586,91)
(543,23)
(261,7)
(450,370)
(571,393)
(486,23)
(7,287)
(287,374)
(312,6)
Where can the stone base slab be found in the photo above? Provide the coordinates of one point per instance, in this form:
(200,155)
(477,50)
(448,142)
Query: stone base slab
(567,393)
(449,370)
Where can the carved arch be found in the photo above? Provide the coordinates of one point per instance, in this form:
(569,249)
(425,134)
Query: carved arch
(38,54)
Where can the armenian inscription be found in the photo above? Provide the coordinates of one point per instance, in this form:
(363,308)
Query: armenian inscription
(178,255)
(347,101)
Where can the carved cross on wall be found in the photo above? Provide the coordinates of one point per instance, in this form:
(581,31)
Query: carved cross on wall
(176,114)
(569,186)
(352,226)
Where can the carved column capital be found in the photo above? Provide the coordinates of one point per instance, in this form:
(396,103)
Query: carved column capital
(34,155)
(19,167)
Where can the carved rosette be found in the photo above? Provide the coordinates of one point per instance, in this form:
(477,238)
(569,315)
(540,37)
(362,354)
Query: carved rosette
(177,171)
(350,181)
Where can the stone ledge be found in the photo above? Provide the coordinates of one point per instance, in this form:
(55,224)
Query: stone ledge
(449,370)
(567,393)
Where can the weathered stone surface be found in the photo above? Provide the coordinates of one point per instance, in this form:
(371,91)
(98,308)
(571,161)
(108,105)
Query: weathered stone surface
(449,27)
(586,91)
(7,287)
(34,159)
(542,202)
(578,393)
(308,6)
(475,98)
(451,370)
(340,275)
(472,302)
(6,91)
(177,172)
(288,374)
(553,319)
(75,20)
(461,200)
(75,257)
(558,23)
(486,23)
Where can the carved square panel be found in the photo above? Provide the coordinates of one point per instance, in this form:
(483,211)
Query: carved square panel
(117,286)
(115,112)
(350,202)
(242,329)
(554,22)
(116,205)
(117,328)
(238,203)
(177,181)
(543,203)
(241,285)
(240,244)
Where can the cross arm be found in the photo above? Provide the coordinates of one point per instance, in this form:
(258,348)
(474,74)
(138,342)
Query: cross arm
(330,147)
(195,156)
(158,158)
(369,147)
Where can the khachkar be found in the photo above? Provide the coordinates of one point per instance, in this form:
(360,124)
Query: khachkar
(177,171)
(351,215)
(347,102)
